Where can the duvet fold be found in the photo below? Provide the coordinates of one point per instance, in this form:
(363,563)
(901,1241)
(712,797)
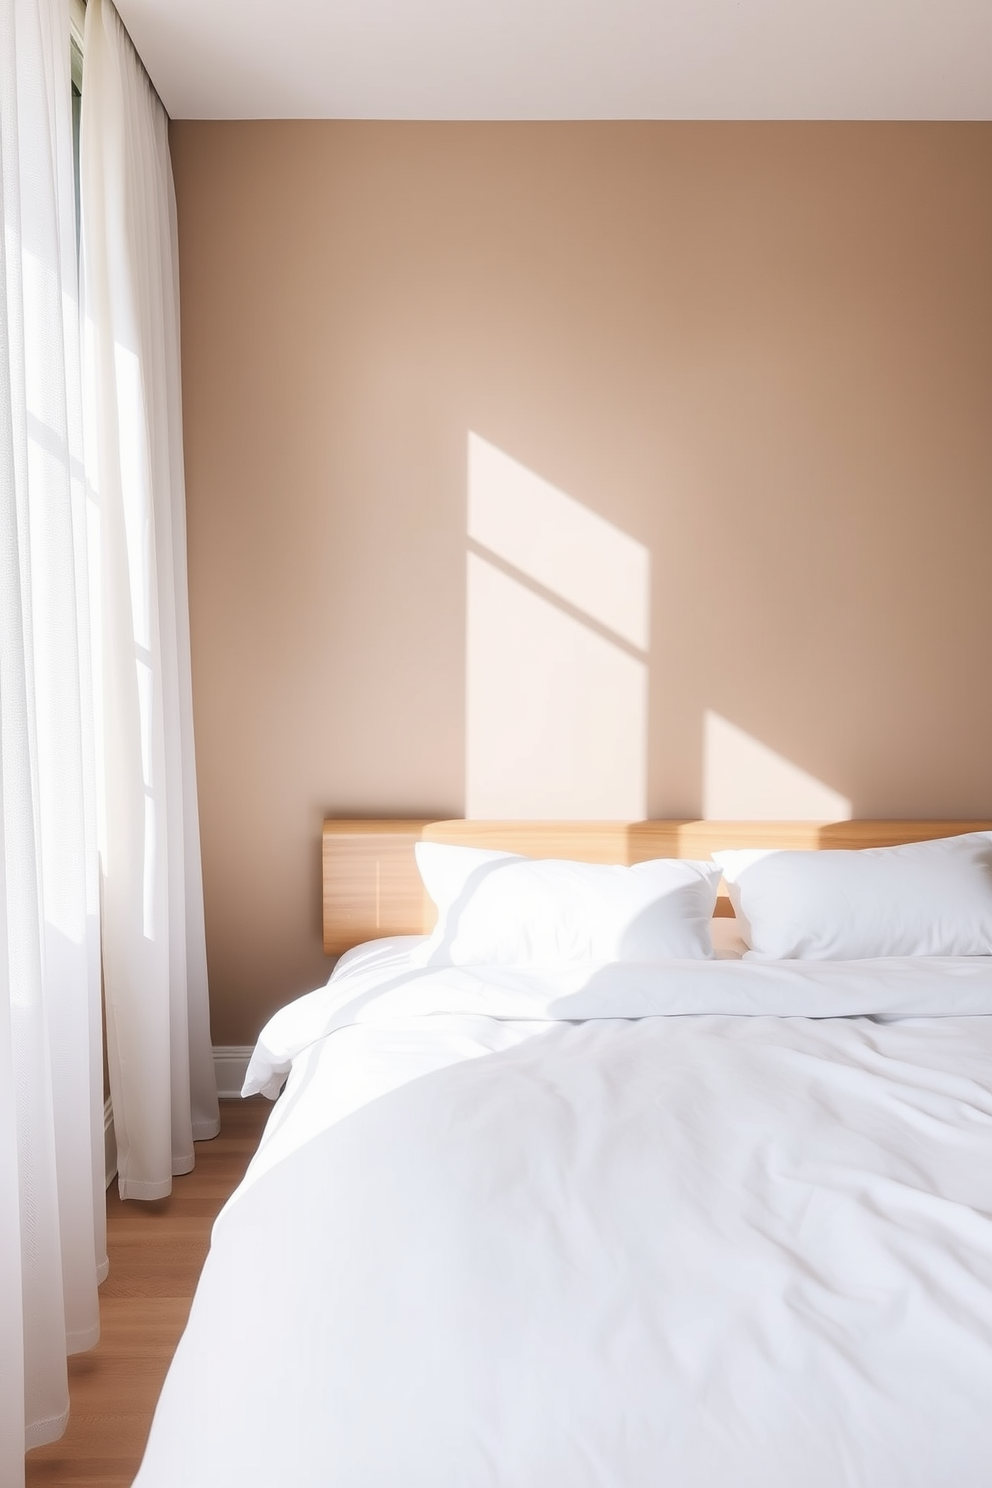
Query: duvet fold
(897,987)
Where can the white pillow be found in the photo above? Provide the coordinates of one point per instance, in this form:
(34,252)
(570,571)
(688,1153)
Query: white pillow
(501,909)
(923,899)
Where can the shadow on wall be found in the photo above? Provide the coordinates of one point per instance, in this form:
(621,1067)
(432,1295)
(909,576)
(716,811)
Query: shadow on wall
(557,670)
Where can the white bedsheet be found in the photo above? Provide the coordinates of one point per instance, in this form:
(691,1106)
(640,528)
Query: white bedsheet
(550,1231)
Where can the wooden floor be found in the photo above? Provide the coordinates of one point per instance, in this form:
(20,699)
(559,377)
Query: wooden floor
(156,1253)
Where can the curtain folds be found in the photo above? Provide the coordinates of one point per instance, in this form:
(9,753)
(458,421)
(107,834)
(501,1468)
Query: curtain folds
(154,956)
(96,743)
(52,1232)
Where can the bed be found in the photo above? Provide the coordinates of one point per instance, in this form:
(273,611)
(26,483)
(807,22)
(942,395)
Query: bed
(559,1210)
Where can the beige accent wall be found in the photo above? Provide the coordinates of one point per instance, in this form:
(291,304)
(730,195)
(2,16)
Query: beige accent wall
(762,353)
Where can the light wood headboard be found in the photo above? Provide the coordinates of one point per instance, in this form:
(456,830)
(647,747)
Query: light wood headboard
(372,888)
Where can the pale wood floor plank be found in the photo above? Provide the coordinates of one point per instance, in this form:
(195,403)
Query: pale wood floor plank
(156,1253)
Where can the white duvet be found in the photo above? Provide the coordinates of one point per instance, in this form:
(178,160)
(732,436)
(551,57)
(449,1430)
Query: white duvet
(722,1224)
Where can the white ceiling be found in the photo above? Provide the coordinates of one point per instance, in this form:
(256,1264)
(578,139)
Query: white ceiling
(567,59)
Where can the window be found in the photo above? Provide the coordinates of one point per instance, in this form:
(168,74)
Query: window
(77,15)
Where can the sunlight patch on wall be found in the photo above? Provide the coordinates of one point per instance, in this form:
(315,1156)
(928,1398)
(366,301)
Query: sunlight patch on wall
(558,542)
(558,613)
(745,780)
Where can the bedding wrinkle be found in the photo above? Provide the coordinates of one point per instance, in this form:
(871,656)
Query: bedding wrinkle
(871,1280)
(893,988)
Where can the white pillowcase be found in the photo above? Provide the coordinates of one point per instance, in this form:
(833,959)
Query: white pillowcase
(923,899)
(501,909)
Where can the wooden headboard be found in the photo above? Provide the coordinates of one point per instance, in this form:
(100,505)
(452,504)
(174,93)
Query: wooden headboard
(372,888)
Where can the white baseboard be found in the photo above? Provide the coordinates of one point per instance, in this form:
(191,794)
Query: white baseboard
(109,1143)
(230,1068)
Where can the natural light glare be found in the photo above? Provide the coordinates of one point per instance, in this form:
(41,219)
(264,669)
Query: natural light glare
(557,678)
(134,483)
(744,780)
(558,543)
(94,565)
(140,550)
(55,708)
(148,880)
(42,294)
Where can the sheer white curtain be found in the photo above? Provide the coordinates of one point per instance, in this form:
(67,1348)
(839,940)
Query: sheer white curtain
(161,1067)
(52,1239)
